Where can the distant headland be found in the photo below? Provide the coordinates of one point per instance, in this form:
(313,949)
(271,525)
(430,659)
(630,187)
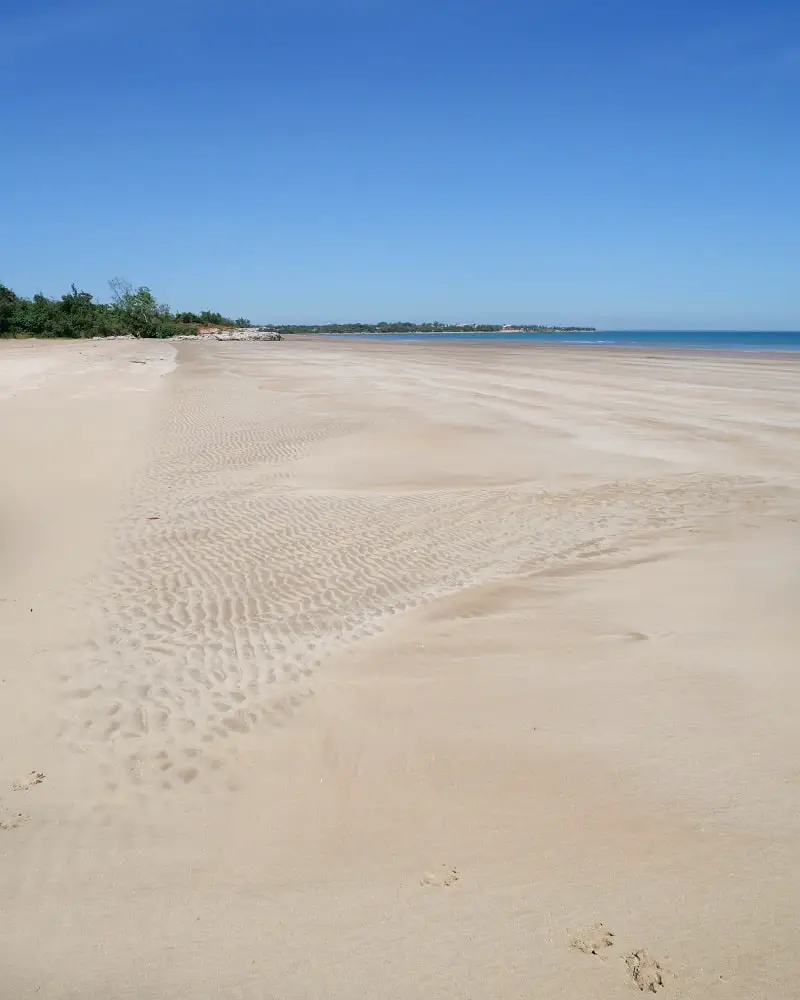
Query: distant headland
(331,329)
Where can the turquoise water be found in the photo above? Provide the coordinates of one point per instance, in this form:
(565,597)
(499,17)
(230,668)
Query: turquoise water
(720,340)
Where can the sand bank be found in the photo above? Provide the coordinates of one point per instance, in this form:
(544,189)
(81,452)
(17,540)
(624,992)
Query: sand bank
(370,669)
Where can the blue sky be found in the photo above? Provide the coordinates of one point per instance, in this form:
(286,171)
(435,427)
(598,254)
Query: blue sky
(620,163)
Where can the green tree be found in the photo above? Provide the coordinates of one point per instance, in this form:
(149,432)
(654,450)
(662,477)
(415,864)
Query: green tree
(142,314)
(8,310)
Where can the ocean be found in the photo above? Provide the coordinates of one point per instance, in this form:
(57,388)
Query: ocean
(708,340)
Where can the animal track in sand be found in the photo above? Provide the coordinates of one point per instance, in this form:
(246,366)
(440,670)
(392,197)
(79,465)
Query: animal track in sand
(594,940)
(34,778)
(645,971)
(441,878)
(10,820)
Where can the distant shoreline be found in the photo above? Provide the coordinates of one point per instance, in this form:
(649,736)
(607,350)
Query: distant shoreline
(450,332)
(716,340)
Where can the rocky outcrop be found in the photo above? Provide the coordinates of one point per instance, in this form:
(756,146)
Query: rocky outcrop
(248,333)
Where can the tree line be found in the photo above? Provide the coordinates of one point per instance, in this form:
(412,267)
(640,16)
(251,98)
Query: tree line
(136,312)
(131,312)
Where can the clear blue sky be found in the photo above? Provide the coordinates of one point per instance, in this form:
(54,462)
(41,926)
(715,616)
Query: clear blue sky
(623,163)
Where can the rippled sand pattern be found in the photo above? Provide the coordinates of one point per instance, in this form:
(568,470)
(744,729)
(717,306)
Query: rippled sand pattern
(239,570)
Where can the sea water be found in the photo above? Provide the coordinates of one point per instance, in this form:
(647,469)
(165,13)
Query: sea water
(720,340)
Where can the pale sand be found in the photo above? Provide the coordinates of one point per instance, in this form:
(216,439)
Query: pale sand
(355,670)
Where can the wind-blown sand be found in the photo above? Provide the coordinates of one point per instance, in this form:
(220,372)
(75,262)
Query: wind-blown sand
(346,670)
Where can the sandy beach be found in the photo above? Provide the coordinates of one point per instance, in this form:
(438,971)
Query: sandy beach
(354,669)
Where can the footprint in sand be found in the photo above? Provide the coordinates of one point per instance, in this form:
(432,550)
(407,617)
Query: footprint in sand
(441,878)
(34,778)
(10,820)
(645,971)
(594,940)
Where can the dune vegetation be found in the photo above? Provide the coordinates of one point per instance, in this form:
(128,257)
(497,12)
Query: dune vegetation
(132,311)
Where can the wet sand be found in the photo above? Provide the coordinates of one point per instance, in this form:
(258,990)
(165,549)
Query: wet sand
(346,669)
